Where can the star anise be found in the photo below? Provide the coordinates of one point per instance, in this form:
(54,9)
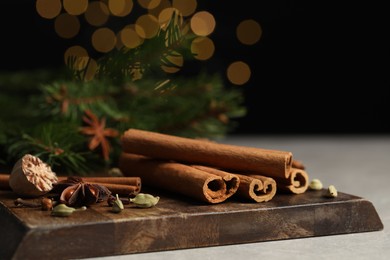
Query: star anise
(100,133)
(79,193)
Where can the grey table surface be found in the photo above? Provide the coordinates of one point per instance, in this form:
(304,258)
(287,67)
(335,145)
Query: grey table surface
(358,165)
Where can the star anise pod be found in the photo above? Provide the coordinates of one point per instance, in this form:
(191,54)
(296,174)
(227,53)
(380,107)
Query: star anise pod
(79,193)
(100,134)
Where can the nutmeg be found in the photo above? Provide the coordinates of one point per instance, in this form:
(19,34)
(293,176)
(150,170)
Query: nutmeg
(31,177)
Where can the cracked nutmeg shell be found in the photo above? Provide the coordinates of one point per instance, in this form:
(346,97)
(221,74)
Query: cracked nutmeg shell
(31,177)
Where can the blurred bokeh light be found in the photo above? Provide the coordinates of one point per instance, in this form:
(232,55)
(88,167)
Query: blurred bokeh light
(203,23)
(97,13)
(103,40)
(203,48)
(75,7)
(48,9)
(67,26)
(238,73)
(120,8)
(249,32)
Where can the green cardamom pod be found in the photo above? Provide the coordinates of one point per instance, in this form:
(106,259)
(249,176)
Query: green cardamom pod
(332,192)
(315,184)
(143,200)
(61,210)
(117,205)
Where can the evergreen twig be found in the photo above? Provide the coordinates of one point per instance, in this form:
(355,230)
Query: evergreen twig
(129,90)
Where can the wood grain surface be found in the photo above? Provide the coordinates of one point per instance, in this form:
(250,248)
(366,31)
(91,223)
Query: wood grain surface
(177,223)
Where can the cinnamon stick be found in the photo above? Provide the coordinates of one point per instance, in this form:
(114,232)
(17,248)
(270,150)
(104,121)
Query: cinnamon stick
(268,162)
(128,186)
(297,183)
(132,181)
(175,177)
(256,187)
(120,189)
(232,181)
(4,182)
(298,165)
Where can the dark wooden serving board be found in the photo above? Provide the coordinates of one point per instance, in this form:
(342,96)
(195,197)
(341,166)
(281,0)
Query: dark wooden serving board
(177,223)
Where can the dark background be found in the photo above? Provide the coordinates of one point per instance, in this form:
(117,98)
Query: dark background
(320,66)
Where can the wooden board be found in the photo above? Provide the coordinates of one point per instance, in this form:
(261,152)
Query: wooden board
(177,223)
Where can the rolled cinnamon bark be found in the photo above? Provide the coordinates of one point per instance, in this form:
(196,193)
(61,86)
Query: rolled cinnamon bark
(4,182)
(175,177)
(132,181)
(229,157)
(127,186)
(120,185)
(256,187)
(232,181)
(297,183)
(120,189)
(298,165)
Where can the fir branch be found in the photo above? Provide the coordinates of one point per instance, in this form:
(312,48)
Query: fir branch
(28,82)
(129,89)
(182,107)
(133,64)
(59,145)
(70,99)
(79,66)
